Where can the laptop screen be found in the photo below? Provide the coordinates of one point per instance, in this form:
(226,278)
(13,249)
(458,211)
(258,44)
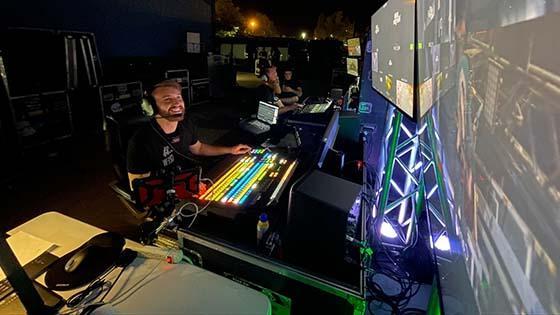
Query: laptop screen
(316,108)
(267,113)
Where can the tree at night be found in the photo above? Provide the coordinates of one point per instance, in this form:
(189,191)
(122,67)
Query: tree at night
(260,25)
(335,26)
(231,22)
(228,18)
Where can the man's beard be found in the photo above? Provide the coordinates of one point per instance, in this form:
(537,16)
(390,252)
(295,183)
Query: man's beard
(175,117)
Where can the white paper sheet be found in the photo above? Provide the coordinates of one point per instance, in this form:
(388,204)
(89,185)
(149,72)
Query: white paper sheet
(27,247)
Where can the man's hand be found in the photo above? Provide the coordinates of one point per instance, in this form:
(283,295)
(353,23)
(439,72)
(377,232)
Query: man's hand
(272,76)
(240,149)
(287,89)
(296,106)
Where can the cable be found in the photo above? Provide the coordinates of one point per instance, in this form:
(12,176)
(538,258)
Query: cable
(171,146)
(207,179)
(133,288)
(112,285)
(196,212)
(388,266)
(180,211)
(78,298)
(80,302)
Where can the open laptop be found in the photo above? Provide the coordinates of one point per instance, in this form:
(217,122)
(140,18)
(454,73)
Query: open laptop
(313,105)
(267,115)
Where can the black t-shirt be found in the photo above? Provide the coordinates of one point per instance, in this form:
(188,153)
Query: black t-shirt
(294,84)
(149,152)
(266,94)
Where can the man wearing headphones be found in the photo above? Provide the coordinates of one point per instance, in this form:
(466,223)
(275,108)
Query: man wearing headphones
(169,138)
(270,88)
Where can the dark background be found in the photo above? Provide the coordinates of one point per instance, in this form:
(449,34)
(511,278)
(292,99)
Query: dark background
(292,16)
(122,28)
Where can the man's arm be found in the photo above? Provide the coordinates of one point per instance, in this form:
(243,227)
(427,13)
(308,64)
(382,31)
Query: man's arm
(274,85)
(290,99)
(137,160)
(285,108)
(205,149)
(298,91)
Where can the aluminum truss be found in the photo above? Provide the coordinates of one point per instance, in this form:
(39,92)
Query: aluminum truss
(412,182)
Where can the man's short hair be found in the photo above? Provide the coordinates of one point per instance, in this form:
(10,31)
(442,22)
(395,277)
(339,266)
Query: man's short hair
(166,84)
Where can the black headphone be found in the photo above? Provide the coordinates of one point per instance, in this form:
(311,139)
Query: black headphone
(152,101)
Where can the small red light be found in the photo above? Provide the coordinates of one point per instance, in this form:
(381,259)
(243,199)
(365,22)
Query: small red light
(169,259)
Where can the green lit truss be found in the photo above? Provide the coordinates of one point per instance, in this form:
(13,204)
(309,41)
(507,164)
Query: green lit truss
(412,182)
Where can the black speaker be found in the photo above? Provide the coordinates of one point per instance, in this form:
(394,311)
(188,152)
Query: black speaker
(317,220)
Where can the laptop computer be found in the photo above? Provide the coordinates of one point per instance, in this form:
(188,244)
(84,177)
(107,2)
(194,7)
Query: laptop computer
(315,105)
(267,115)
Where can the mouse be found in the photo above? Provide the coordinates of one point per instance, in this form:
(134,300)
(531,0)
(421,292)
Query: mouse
(77,259)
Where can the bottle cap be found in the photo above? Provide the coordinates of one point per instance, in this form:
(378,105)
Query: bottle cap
(263,217)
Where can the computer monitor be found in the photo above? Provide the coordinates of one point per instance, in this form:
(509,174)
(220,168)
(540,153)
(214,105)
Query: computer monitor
(352,66)
(267,113)
(329,137)
(354,49)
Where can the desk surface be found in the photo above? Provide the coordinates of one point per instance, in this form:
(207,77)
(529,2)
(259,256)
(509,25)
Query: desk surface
(150,286)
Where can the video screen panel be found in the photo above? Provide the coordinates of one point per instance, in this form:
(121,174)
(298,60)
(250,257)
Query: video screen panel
(392,66)
(352,66)
(354,49)
(496,123)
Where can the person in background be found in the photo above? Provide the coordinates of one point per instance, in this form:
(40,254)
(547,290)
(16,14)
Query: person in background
(270,88)
(261,63)
(291,90)
(275,55)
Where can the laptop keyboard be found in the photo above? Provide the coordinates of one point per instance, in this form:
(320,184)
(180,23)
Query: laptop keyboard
(258,124)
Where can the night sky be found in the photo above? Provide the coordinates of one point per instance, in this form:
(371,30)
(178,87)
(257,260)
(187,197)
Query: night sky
(291,17)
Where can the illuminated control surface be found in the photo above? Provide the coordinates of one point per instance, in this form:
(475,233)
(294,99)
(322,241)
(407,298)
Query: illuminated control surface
(245,182)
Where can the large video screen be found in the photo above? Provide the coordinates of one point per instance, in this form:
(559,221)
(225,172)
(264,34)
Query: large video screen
(392,65)
(496,123)
(436,57)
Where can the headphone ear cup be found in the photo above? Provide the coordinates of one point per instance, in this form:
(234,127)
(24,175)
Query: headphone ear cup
(152,101)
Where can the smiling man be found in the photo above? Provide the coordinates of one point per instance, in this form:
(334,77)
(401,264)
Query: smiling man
(170,137)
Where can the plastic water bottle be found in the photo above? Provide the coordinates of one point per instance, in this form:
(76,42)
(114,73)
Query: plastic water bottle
(262,226)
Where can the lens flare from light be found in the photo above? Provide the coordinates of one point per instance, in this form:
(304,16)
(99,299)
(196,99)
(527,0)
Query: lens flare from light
(387,230)
(442,243)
